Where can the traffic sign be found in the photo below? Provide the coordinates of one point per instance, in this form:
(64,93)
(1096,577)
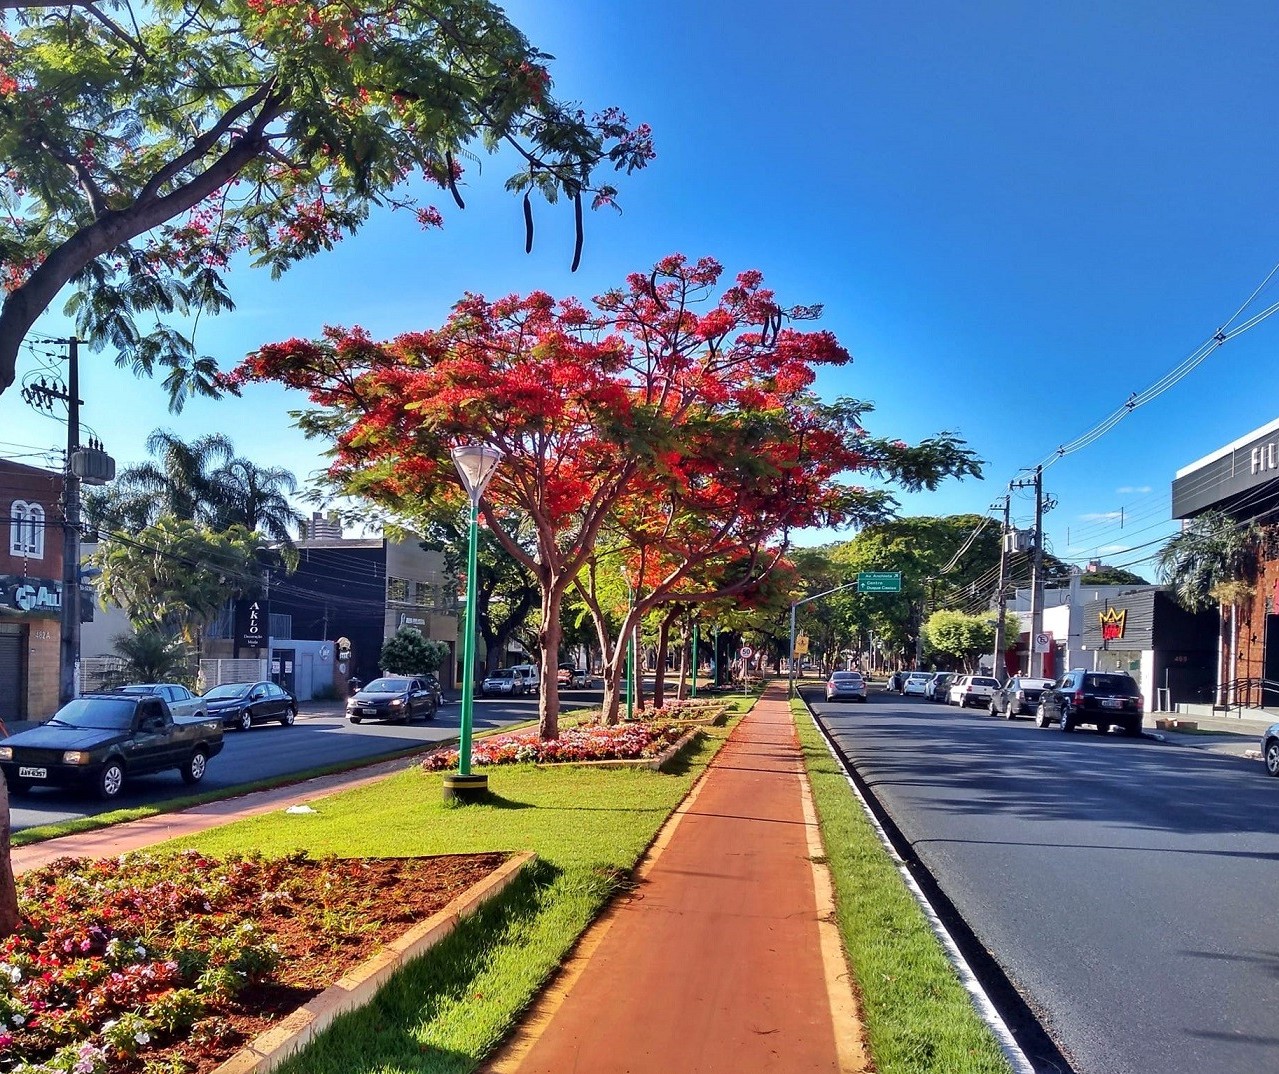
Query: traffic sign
(879,582)
(746,652)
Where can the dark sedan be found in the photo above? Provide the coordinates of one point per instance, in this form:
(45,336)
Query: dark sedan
(396,698)
(1019,696)
(242,704)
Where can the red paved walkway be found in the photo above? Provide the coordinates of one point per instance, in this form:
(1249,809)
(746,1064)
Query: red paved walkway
(724,959)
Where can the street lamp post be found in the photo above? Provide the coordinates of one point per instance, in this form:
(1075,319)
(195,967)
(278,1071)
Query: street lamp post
(476,464)
(790,687)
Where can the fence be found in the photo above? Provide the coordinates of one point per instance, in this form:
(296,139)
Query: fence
(216,672)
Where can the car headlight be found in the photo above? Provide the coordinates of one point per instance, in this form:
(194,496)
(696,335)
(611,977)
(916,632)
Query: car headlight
(6,753)
(397,702)
(75,757)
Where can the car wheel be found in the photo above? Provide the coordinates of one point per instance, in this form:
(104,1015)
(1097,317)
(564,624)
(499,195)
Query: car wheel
(290,714)
(1041,717)
(110,780)
(1272,757)
(993,709)
(1012,711)
(193,770)
(1066,723)
(355,719)
(245,721)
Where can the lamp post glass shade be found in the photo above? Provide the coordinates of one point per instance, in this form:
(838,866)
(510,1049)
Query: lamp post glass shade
(476,464)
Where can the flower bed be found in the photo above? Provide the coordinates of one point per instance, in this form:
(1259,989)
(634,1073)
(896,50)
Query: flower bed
(145,963)
(635,740)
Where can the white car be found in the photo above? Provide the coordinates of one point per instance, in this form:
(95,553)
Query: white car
(917,683)
(972,690)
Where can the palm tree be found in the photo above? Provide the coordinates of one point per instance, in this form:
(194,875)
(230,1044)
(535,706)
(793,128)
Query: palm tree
(151,656)
(255,498)
(183,483)
(1213,561)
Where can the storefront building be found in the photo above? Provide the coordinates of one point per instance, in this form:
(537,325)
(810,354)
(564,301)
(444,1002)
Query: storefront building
(1242,480)
(30,591)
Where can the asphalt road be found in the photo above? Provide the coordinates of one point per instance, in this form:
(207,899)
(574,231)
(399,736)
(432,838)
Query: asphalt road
(321,736)
(1127,887)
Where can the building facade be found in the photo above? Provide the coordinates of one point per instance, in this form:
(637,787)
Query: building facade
(1242,480)
(30,590)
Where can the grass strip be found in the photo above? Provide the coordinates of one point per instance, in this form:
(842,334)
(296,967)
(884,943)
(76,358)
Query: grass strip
(443,1013)
(919,1018)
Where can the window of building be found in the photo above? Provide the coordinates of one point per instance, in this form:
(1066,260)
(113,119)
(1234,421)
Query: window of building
(26,530)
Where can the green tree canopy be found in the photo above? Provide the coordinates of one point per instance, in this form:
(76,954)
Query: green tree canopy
(407,652)
(1211,553)
(146,145)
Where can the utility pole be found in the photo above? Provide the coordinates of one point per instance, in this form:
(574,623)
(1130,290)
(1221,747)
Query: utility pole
(997,661)
(93,466)
(1036,662)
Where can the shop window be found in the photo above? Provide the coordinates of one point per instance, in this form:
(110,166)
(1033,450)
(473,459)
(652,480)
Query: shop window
(26,530)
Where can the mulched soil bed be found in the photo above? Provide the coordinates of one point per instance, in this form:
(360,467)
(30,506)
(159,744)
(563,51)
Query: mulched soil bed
(106,938)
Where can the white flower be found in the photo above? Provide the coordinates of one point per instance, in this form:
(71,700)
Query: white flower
(142,1037)
(19,1019)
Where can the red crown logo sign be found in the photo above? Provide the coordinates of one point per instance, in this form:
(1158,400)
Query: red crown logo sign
(1112,623)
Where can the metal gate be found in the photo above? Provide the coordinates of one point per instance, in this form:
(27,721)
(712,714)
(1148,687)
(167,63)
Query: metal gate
(12,672)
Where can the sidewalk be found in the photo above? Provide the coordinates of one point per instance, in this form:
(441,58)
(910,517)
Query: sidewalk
(725,957)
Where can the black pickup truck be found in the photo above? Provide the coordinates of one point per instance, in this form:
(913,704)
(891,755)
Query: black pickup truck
(99,740)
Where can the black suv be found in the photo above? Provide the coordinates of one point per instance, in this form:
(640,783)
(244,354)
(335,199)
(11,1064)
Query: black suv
(1093,697)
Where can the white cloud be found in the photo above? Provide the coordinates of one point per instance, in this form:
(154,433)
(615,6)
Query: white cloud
(1134,490)
(1102,516)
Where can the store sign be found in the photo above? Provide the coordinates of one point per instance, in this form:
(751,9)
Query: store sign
(250,624)
(1112,623)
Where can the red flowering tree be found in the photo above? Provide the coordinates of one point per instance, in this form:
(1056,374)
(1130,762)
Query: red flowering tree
(638,413)
(145,145)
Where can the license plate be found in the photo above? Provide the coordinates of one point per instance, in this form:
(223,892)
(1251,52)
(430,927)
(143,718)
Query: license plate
(33,773)
(1111,703)
(370,712)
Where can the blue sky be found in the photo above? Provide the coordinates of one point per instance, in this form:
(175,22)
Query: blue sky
(1016,216)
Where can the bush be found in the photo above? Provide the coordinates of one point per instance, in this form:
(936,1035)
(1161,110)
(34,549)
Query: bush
(406,652)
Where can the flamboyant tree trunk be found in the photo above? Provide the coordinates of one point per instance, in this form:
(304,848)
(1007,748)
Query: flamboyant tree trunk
(548,638)
(9,919)
(663,651)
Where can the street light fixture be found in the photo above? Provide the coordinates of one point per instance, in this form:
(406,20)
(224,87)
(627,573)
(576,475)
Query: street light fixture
(476,464)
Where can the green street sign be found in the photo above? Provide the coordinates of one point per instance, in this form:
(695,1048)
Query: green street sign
(879,582)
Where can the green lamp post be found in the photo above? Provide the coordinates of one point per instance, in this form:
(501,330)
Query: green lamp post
(476,464)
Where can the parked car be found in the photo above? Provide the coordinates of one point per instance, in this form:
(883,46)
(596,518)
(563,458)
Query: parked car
(398,698)
(1270,749)
(1100,698)
(242,704)
(846,685)
(100,740)
(502,681)
(528,676)
(915,683)
(939,686)
(1019,696)
(971,690)
(181,701)
(570,675)
(894,683)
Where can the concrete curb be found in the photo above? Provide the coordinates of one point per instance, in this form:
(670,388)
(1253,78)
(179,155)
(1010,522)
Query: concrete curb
(358,987)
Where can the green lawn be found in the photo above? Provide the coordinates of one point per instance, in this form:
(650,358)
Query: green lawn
(588,826)
(919,1019)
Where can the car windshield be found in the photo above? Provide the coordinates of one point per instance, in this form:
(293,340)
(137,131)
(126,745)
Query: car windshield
(101,712)
(387,686)
(846,676)
(230,689)
(1115,684)
(139,689)
(981,681)
(502,673)
(1035,684)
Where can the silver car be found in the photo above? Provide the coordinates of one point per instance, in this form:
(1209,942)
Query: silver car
(1270,749)
(181,701)
(846,685)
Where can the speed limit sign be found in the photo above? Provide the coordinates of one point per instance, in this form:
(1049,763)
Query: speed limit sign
(746,652)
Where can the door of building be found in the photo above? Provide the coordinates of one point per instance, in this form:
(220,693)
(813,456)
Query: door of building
(13,669)
(1270,668)
(284,669)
